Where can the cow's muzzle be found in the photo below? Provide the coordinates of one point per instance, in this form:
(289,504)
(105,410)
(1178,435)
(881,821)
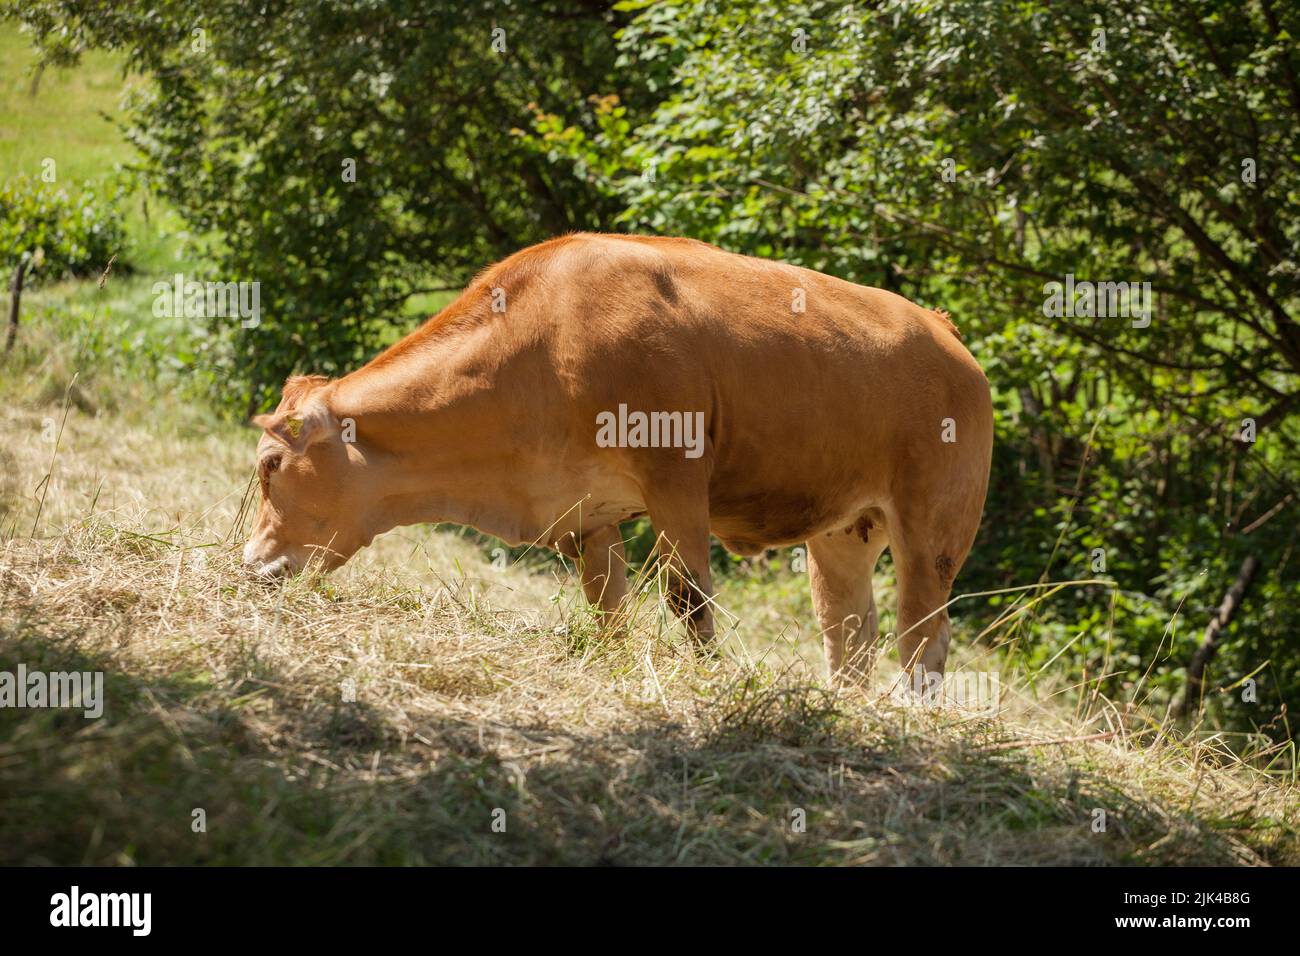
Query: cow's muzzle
(278,568)
(275,568)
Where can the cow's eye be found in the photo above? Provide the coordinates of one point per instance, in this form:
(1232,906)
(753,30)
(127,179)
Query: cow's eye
(268,465)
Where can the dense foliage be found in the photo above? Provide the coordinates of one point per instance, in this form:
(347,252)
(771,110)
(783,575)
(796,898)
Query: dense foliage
(57,235)
(968,154)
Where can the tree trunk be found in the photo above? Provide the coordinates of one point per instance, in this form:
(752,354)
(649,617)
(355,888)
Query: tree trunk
(15,297)
(1209,643)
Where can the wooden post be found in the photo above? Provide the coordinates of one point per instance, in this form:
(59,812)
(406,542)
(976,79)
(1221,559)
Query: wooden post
(15,297)
(1209,643)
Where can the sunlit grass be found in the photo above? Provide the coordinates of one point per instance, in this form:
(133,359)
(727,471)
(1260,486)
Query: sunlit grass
(387,713)
(74,117)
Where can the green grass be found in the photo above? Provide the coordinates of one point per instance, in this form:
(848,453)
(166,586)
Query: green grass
(70,119)
(73,116)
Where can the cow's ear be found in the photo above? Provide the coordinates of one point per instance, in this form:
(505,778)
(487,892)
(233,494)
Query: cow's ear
(300,428)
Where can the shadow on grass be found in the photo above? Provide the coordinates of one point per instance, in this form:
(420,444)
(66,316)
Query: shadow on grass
(763,775)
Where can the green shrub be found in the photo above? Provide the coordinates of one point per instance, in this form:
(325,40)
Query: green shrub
(61,235)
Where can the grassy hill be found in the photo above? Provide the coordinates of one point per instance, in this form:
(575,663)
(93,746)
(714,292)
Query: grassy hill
(402,710)
(390,714)
(74,117)
(67,115)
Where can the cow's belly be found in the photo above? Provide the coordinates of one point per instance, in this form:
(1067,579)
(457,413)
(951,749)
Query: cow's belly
(778,498)
(747,514)
(749,525)
(579,503)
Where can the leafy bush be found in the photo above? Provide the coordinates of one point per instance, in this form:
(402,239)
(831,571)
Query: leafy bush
(59,235)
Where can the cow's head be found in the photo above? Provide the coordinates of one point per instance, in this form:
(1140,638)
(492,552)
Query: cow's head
(313,504)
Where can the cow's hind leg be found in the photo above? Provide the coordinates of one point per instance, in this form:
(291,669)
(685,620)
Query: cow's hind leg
(840,567)
(929,545)
(602,564)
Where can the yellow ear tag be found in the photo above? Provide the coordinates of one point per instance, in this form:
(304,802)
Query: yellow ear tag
(294,425)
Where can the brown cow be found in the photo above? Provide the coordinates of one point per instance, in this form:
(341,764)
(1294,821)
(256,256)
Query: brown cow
(596,378)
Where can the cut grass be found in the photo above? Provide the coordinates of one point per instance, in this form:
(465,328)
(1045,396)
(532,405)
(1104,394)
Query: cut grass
(484,696)
(228,698)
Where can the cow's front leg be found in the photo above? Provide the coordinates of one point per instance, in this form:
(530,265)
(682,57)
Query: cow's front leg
(602,564)
(682,543)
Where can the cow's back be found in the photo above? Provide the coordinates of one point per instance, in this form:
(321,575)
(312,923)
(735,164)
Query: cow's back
(814,390)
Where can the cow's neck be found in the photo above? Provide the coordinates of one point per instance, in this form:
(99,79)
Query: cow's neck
(435,439)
